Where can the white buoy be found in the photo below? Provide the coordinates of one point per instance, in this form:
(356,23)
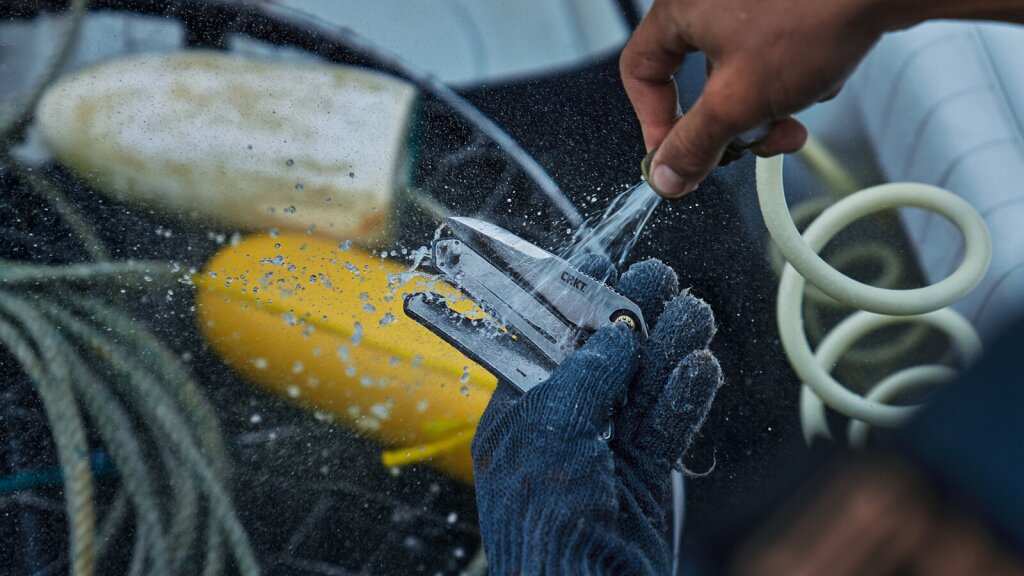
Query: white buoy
(237,141)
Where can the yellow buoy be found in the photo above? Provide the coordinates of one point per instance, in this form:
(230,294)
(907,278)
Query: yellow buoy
(319,324)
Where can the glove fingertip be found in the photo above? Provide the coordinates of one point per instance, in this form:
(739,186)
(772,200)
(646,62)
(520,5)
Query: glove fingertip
(696,382)
(686,324)
(650,284)
(701,370)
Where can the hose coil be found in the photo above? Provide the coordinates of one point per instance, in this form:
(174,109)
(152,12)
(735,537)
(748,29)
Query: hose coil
(877,307)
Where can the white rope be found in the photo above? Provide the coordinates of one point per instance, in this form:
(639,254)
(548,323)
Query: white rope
(878,306)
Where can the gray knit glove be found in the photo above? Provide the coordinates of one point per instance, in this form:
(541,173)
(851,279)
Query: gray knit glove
(554,495)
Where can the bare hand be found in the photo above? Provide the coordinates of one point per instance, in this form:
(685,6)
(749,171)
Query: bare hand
(877,516)
(767,59)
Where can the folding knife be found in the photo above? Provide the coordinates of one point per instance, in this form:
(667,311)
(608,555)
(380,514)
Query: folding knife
(544,307)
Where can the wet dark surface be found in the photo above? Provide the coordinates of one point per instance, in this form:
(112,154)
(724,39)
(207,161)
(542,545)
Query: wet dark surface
(313,494)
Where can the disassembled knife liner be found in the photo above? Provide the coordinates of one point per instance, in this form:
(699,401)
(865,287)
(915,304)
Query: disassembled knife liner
(545,306)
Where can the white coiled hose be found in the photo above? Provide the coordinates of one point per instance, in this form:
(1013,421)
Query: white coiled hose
(877,307)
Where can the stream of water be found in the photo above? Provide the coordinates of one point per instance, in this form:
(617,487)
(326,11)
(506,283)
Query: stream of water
(613,233)
(608,236)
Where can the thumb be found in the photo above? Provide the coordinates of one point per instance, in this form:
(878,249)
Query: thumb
(583,390)
(696,142)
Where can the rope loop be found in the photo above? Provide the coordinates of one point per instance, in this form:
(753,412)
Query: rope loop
(877,307)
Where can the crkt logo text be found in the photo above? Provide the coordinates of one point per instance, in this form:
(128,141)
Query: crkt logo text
(574,281)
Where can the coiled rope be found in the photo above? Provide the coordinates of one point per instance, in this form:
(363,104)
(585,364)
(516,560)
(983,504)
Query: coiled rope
(877,307)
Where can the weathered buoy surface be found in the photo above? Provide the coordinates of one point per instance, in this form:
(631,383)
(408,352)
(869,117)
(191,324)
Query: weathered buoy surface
(319,324)
(238,141)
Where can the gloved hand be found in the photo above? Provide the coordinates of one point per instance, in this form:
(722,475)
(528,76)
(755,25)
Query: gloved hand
(554,497)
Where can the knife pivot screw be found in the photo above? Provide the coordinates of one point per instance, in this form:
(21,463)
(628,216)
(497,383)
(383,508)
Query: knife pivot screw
(626,319)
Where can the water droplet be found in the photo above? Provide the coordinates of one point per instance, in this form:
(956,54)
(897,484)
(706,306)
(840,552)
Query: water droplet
(291,210)
(293,391)
(368,423)
(382,411)
(452,518)
(465,375)
(260,363)
(357,333)
(369,308)
(387,319)
(256,418)
(464,390)
(345,245)
(312,278)
(299,186)
(289,162)
(297,368)
(343,353)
